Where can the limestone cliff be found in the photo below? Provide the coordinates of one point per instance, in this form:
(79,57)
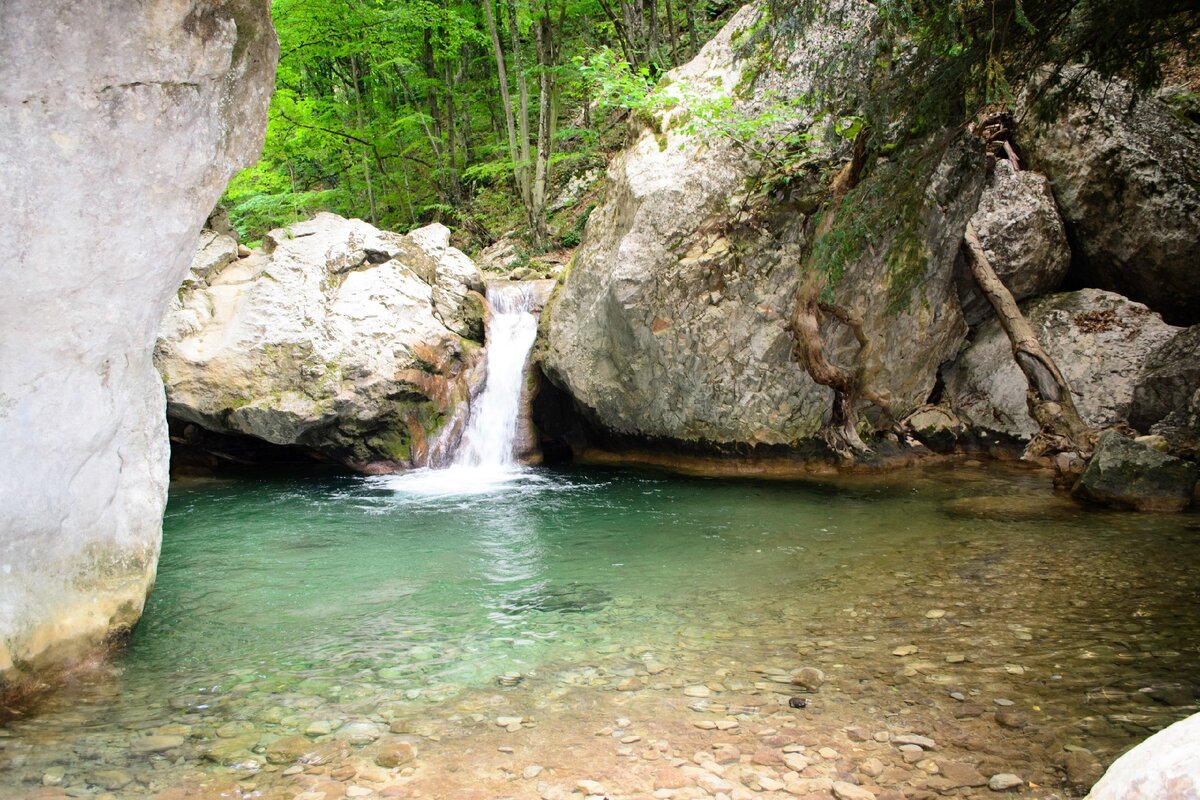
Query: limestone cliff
(671,323)
(122,125)
(669,329)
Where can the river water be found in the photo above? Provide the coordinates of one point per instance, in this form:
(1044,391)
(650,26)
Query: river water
(610,613)
(494,631)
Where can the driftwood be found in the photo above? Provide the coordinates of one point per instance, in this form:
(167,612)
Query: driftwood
(1048,395)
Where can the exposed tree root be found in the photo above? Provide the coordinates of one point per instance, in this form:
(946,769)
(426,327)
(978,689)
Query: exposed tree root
(1048,395)
(841,433)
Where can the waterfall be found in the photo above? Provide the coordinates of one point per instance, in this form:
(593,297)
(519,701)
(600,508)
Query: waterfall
(484,458)
(490,437)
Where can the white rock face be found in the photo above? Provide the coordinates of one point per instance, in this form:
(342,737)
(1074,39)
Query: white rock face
(1099,340)
(338,337)
(122,126)
(671,323)
(1164,767)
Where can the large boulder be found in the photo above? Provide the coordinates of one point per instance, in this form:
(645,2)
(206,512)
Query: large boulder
(1163,767)
(337,337)
(1099,340)
(1022,234)
(670,324)
(1125,473)
(1166,399)
(122,126)
(1126,174)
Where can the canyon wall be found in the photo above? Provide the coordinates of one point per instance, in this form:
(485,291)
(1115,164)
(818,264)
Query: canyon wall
(123,123)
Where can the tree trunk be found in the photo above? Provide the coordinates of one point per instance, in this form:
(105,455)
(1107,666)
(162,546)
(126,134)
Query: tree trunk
(505,100)
(366,161)
(691,23)
(546,58)
(652,32)
(451,128)
(672,33)
(635,26)
(521,168)
(841,434)
(1048,395)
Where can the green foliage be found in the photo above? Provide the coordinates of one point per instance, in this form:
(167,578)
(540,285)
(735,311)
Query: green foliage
(389,110)
(880,216)
(575,234)
(778,124)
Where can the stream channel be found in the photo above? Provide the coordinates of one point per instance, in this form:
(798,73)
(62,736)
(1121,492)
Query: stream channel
(493,631)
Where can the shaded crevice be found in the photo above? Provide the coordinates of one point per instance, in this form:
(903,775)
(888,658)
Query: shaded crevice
(198,451)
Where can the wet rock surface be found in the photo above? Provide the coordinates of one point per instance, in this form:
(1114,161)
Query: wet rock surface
(1166,399)
(1162,766)
(1128,474)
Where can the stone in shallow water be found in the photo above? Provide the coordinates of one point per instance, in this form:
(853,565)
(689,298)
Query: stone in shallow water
(1013,508)
(146,745)
(394,753)
(923,742)
(1003,781)
(290,749)
(234,750)
(1127,474)
(358,733)
(1083,769)
(810,678)
(849,791)
(961,774)
(571,598)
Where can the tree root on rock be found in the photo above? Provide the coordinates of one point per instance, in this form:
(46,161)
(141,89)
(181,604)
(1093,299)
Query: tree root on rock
(1062,434)
(841,433)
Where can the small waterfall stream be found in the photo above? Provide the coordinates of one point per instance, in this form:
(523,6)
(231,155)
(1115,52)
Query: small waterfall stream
(490,438)
(485,457)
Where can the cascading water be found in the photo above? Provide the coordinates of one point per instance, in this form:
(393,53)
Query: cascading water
(485,459)
(490,438)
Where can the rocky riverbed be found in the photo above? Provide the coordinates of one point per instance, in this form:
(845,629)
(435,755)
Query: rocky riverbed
(977,637)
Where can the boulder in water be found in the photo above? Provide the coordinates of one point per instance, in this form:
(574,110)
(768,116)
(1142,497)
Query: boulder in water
(337,337)
(1163,766)
(1166,399)
(123,123)
(1127,474)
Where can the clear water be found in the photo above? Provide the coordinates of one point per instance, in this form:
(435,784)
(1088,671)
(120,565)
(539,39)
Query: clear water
(281,603)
